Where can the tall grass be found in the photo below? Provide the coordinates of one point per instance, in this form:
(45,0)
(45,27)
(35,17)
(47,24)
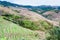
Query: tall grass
(11,31)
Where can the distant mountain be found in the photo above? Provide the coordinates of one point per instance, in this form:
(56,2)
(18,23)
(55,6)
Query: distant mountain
(43,7)
(5,3)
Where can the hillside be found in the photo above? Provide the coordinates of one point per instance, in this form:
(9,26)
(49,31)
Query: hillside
(32,12)
(11,31)
(33,16)
(19,22)
(52,15)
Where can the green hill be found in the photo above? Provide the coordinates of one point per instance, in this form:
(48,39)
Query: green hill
(11,31)
(23,24)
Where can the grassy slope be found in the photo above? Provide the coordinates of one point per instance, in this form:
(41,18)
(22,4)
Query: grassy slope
(11,31)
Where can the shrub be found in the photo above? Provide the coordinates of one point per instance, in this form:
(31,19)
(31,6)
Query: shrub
(45,25)
(54,33)
(10,17)
(25,23)
(29,24)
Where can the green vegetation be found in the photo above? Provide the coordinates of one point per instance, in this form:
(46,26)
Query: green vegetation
(45,25)
(11,31)
(29,24)
(26,23)
(54,33)
(18,27)
(10,17)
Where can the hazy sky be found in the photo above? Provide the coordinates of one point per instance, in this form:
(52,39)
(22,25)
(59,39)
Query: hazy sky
(36,2)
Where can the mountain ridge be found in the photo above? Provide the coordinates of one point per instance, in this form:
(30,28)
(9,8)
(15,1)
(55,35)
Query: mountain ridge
(5,3)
